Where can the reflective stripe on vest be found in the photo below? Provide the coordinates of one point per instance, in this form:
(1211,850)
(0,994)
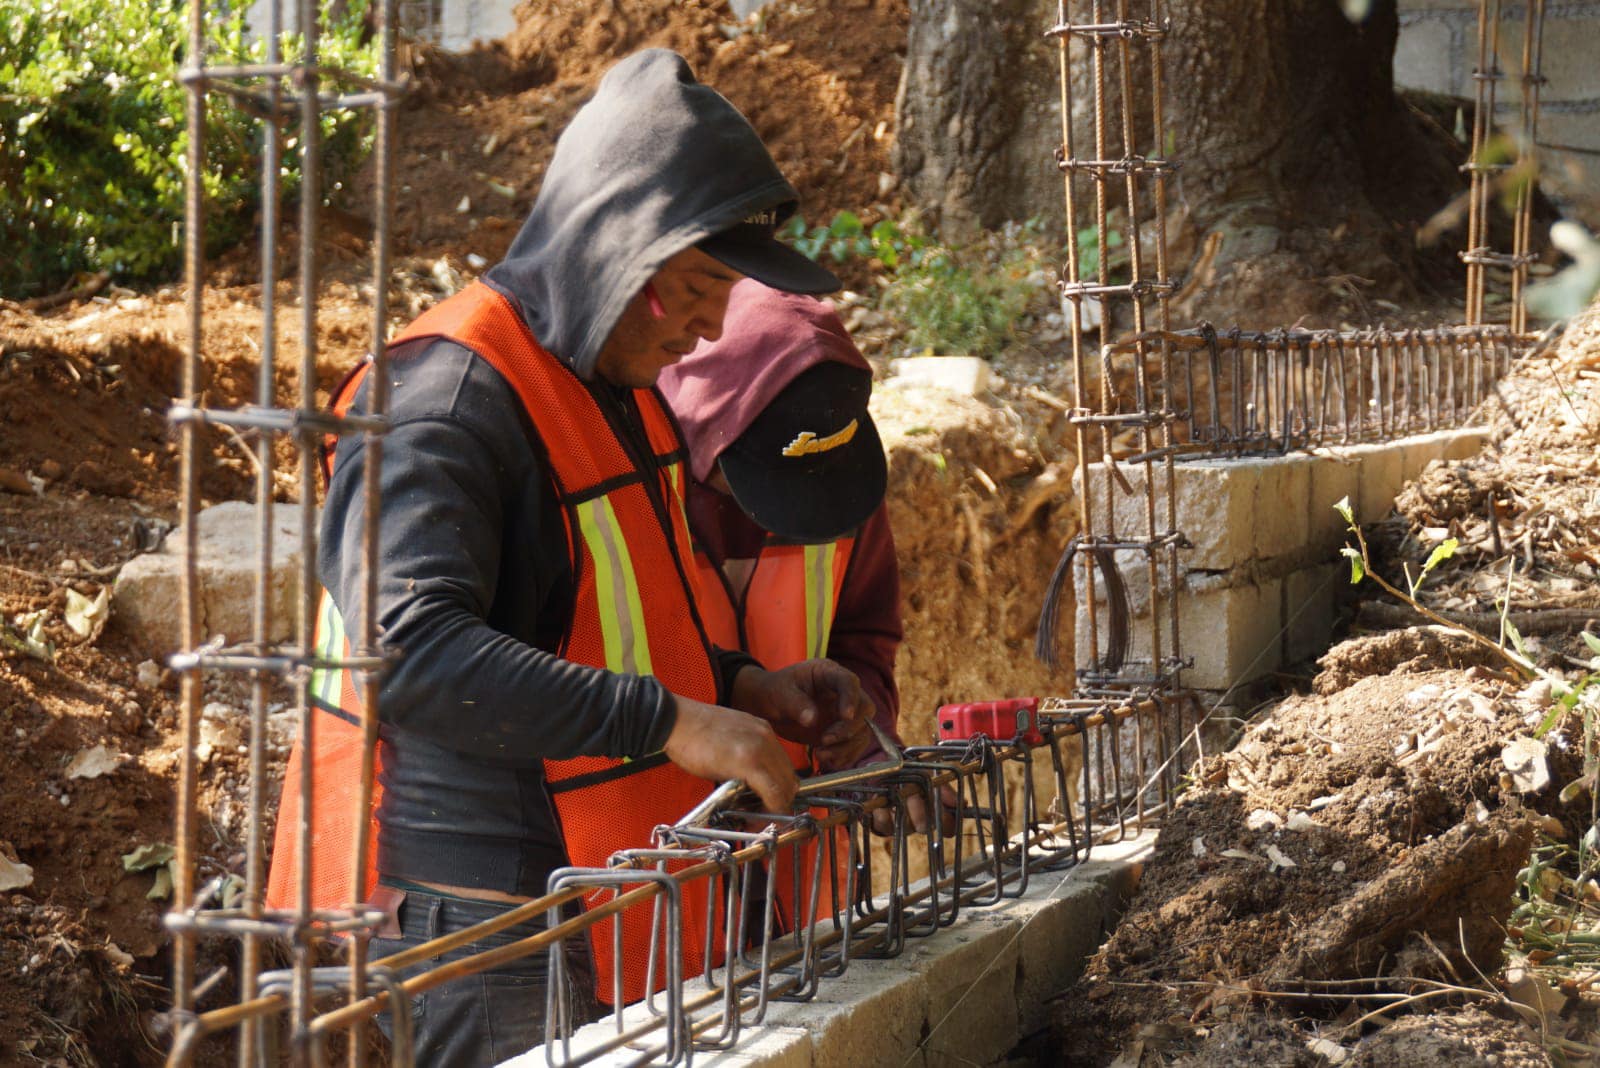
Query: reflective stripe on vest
(633,612)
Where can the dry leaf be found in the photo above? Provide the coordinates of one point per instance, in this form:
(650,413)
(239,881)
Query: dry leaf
(14,875)
(87,615)
(1525,759)
(1198,846)
(117,955)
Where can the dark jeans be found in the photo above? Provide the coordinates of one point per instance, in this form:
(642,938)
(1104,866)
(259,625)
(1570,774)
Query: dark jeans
(481,1019)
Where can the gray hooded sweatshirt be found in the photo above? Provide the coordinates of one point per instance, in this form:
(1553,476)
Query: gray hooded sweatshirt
(475,582)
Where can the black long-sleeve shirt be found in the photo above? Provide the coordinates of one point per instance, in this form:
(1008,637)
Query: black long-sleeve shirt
(475,590)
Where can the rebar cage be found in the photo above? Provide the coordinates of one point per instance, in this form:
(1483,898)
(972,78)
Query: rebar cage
(1114,749)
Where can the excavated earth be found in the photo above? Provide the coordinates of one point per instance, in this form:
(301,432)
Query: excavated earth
(1368,835)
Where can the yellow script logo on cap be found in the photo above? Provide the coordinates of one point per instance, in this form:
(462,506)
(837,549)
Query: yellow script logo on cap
(807,442)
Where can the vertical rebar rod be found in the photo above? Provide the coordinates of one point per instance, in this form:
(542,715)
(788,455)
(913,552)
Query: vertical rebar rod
(188,514)
(1086,510)
(305,948)
(378,404)
(266,397)
(1527,160)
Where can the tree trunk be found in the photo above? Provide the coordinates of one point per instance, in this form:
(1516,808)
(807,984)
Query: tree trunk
(978,114)
(1296,153)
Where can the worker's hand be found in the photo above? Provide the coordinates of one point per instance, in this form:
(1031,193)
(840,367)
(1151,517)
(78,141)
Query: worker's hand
(724,743)
(815,702)
(917,813)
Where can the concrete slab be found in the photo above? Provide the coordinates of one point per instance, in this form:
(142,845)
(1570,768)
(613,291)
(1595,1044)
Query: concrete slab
(1280,519)
(146,598)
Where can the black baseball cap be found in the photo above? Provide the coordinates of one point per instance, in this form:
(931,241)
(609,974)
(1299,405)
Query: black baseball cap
(752,248)
(810,466)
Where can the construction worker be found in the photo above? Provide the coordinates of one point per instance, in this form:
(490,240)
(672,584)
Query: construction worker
(555,693)
(786,490)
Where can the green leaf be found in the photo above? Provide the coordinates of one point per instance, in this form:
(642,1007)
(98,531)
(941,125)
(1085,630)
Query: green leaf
(1592,642)
(1344,509)
(1442,552)
(1358,568)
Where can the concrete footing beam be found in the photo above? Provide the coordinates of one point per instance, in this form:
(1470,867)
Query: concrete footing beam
(965,995)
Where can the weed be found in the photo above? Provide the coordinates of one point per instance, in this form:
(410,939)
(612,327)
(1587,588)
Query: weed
(951,299)
(94,144)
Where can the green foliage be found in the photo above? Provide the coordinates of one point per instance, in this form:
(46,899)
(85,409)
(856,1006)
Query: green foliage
(957,300)
(93,139)
(1089,250)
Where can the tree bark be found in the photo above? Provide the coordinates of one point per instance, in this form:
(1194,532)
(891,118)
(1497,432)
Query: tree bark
(1296,153)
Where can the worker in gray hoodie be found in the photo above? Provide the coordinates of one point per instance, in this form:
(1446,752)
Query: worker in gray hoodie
(554,694)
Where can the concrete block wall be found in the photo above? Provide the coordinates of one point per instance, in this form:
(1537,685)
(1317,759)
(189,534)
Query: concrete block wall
(1257,590)
(966,995)
(1438,49)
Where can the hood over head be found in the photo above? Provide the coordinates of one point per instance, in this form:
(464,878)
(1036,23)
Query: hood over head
(652,164)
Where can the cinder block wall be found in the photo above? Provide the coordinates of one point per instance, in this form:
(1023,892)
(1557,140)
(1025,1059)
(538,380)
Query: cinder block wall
(1438,50)
(1256,590)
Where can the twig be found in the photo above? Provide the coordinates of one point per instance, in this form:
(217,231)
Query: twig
(1529,621)
(81,292)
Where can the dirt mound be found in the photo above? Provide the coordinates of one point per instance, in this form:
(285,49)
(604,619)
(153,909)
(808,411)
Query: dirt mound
(1399,652)
(1370,833)
(817,81)
(84,392)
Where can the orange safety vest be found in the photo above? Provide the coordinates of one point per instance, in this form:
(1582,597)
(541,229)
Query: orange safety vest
(784,617)
(631,556)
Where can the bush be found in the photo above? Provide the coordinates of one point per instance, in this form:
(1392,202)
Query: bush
(965,300)
(93,142)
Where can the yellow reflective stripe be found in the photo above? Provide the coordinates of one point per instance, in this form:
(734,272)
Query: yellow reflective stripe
(819,597)
(325,682)
(616,589)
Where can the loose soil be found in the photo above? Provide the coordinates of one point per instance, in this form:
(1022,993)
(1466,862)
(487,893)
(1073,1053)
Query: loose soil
(1369,835)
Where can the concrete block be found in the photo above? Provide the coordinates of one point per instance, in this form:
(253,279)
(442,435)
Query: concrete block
(770,1047)
(1466,443)
(971,978)
(873,1014)
(1418,451)
(1422,56)
(1280,519)
(146,599)
(967,375)
(1334,477)
(1571,41)
(1309,598)
(1061,922)
(1230,631)
(1215,499)
(1382,468)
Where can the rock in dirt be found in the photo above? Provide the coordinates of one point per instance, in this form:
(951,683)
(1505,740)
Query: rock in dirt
(94,762)
(12,481)
(146,598)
